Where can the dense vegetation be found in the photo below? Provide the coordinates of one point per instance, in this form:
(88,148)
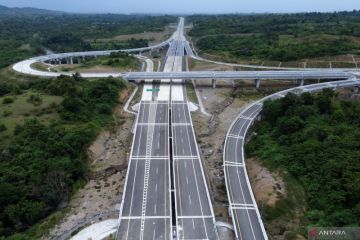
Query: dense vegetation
(280,37)
(315,138)
(285,48)
(44,163)
(119,59)
(22,36)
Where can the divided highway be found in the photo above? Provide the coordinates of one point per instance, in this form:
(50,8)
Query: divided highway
(247,222)
(194,213)
(166,195)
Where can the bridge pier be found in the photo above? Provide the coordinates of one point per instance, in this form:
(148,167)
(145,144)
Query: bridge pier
(213,83)
(257,83)
(356,89)
(300,82)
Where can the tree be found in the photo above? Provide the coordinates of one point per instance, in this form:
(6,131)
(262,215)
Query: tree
(25,213)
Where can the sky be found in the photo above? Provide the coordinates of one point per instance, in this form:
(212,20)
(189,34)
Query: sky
(187,6)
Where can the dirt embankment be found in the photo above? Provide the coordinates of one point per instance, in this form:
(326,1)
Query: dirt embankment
(103,191)
(268,187)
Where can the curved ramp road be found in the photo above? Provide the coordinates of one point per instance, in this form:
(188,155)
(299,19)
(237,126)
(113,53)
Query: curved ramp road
(25,66)
(244,211)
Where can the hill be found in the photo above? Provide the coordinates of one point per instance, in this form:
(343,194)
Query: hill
(26,11)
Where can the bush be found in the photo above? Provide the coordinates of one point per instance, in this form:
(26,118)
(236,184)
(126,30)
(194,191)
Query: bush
(50,160)
(2,127)
(95,97)
(7,113)
(35,99)
(8,100)
(104,109)
(4,89)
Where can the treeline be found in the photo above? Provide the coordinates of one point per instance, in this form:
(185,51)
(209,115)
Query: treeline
(275,48)
(282,37)
(113,44)
(343,23)
(45,163)
(25,36)
(315,138)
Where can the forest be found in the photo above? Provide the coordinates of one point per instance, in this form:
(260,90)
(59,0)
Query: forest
(22,37)
(315,139)
(44,163)
(47,125)
(281,37)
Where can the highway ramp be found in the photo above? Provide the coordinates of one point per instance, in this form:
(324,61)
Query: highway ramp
(247,221)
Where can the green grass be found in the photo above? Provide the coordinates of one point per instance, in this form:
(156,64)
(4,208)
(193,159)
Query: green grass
(190,91)
(40,66)
(138,94)
(117,60)
(15,113)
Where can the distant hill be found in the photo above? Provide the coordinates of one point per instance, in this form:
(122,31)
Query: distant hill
(26,11)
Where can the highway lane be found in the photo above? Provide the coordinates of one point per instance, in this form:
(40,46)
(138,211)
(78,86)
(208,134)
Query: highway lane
(193,208)
(146,206)
(194,214)
(195,217)
(246,218)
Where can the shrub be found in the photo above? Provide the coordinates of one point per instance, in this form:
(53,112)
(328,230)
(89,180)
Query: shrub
(2,127)
(8,100)
(35,99)
(7,113)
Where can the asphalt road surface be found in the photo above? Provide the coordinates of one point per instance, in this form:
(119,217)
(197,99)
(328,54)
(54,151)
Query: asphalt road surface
(147,206)
(246,218)
(195,218)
